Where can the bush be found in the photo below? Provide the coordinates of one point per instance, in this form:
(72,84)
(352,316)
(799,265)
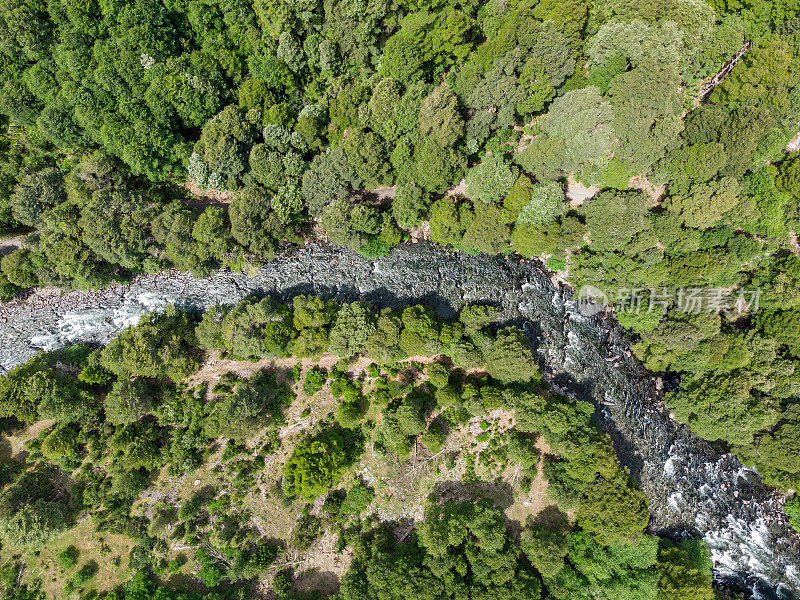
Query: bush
(84,575)
(435,437)
(67,558)
(792,508)
(318,462)
(315,379)
(128,401)
(282,583)
(357,500)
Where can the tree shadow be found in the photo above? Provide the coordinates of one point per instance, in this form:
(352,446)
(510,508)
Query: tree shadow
(316,580)
(5,450)
(550,517)
(499,492)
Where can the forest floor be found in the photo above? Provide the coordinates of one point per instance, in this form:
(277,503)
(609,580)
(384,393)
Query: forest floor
(401,489)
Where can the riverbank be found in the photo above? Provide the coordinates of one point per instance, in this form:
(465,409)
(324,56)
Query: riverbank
(691,487)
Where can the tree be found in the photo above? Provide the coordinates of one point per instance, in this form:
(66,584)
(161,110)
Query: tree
(706,204)
(577,132)
(61,444)
(425,38)
(681,577)
(760,79)
(19,268)
(313,311)
(172,229)
(613,218)
(267,166)
(328,178)
(254,225)
(551,49)
(488,231)
(569,17)
(114,224)
(367,156)
(225,144)
(29,517)
(546,549)
(241,414)
(434,437)
(724,406)
(289,51)
(32,525)
(253,329)
(382,344)
(535,80)
(317,463)
(352,328)
(647,107)
(462,551)
(445,221)
(621,571)
(490,180)
(438,375)
(56,395)
(350,226)
(545,204)
(383,107)
(37,193)
(439,119)
(160,346)
(434,168)
(287,203)
(503,89)
(789,178)
(510,358)
(634,41)
(128,401)
(613,512)
(410,205)
(213,231)
(522,451)
(410,414)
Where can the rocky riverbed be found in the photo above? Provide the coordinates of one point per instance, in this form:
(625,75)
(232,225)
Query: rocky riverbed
(691,487)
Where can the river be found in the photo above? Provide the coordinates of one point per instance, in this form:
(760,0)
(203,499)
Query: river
(691,487)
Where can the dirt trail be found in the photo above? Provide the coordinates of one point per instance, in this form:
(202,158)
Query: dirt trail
(8,245)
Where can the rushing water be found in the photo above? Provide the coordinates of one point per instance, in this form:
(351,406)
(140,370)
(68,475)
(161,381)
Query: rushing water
(691,487)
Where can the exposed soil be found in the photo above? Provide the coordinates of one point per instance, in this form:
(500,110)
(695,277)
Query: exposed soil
(8,245)
(577,193)
(202,199)
(654,192)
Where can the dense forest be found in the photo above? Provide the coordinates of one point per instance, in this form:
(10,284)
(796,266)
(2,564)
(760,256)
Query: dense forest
(186,470)
(642,150)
